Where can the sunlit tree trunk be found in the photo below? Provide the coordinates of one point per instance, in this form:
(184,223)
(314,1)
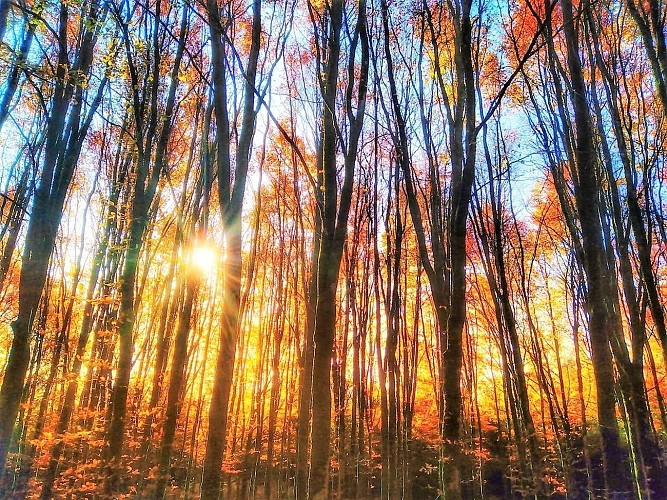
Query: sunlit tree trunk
(23,191)
(74,372)
(177,374)
(59,351)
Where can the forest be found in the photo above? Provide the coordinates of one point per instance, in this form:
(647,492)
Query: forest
(333,249)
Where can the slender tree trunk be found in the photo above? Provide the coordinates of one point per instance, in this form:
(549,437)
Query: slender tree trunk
(17,67)
(152,146)
(5,7)
(650,18)
(84,334)
(176,381)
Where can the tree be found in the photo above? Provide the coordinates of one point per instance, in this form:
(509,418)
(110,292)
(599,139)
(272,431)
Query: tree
(70,118)
(231,191)
(331,219)
(446,279)
(151,136)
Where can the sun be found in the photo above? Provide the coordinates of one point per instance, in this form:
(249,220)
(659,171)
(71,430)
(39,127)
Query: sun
(204,258)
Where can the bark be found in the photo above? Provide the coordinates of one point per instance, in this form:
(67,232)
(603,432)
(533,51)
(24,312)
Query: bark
(649,468)
(22,195)
(176,382)
(5,9)
(169,302)
(635,215)
(61,345)
(17,67)
(496,271)
(650,19)
(177,374)
(463,145)
(74,371)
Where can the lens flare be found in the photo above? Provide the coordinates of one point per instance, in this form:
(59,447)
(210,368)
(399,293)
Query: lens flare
(204,258)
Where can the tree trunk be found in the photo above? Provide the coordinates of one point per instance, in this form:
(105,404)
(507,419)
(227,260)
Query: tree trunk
(587,200)
(231,205)
(331,232)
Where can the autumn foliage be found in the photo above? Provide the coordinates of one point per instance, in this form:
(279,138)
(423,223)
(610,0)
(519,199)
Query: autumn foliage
(328,249)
